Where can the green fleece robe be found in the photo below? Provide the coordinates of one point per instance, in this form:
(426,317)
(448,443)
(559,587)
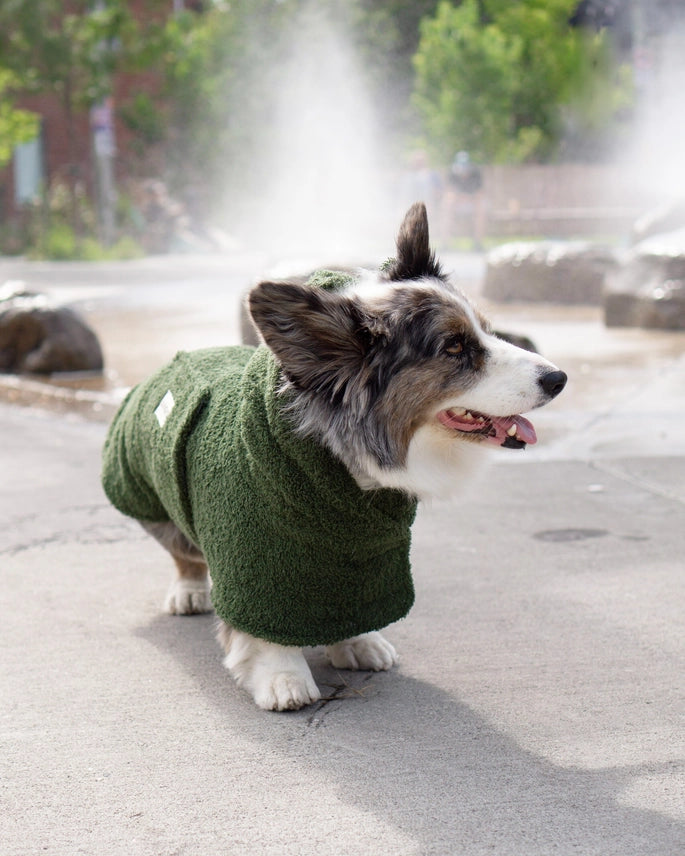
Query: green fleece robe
(297,552)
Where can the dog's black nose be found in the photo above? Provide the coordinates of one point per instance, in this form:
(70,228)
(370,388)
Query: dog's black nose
(553,382)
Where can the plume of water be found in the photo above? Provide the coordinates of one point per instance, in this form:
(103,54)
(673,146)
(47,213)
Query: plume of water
(324,178)
(655,153)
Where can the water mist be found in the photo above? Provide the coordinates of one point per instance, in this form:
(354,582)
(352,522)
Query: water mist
(324,181)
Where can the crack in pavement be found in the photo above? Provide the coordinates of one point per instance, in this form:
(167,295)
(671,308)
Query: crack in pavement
(96,533)
(340,691)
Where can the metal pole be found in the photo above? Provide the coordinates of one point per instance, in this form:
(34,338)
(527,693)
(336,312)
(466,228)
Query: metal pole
(102,125)
(104,148)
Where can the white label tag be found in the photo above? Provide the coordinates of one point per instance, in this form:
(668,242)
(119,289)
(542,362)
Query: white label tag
(164,408)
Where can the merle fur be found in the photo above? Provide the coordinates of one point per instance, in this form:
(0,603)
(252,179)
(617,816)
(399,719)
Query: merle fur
(345,366)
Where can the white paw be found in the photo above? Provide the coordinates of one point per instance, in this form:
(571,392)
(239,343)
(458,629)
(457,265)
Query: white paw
(368,651)
(277,677)
(188,597)
(285,691)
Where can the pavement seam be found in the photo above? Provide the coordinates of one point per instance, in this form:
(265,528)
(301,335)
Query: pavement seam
(607,468)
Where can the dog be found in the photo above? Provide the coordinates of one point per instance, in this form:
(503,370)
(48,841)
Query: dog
(395,386)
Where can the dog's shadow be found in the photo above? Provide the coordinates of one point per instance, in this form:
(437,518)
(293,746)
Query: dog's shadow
(426,763)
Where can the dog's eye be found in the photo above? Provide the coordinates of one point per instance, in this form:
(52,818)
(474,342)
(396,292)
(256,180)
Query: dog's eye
(454,347)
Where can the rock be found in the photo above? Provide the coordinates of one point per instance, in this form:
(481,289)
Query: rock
(518,339)
(657,221)
(248,331)
(648,288)
(566,272)
(664,307)
(12,288)
(621,309)
(37,336)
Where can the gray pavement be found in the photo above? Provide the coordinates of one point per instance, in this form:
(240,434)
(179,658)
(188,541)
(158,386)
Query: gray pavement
(538,707)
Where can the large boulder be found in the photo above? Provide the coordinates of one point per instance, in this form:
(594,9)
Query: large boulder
(567,272)
(37,336)
(648,288)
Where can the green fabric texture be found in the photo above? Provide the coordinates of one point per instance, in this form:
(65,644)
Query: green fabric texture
(298,553)
(331,280)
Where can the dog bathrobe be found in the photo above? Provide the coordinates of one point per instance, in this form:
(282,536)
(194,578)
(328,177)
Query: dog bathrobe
(298,553)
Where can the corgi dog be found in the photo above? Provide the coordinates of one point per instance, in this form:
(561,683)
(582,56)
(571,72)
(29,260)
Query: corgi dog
(404,383)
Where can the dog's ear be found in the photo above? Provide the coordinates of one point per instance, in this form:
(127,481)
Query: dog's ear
(317,336)
(415,258)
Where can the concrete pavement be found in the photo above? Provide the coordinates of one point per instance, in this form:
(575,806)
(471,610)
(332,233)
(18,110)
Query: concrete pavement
(538,707)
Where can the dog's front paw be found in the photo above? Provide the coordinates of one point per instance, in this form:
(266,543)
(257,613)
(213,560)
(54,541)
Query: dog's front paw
(188,597)
(368,651)
(285,691)
(277,676)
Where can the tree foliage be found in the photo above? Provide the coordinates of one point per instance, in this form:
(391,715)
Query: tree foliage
(16,126)
(70,51)
(67,51)
(502,79)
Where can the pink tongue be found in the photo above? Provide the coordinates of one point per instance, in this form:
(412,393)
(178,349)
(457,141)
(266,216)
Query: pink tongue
(524,428)
(498,426)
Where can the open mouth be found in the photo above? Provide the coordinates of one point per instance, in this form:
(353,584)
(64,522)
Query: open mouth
(512,432)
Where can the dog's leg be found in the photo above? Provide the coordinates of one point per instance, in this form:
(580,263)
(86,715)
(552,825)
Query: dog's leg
(277,676)
(368,651)
(189,592)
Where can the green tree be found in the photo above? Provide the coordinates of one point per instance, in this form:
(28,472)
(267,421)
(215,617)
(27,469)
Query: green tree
(387,36)
(16,126)
(501,79)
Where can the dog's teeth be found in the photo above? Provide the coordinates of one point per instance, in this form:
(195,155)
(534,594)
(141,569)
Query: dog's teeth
(458,411)
(468,416)
(512,431)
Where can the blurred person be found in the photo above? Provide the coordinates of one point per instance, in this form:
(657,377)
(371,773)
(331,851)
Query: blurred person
(165,223)
(464,199)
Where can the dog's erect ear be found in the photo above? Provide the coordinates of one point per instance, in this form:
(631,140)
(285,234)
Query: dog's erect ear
(415,259)
(319,337)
